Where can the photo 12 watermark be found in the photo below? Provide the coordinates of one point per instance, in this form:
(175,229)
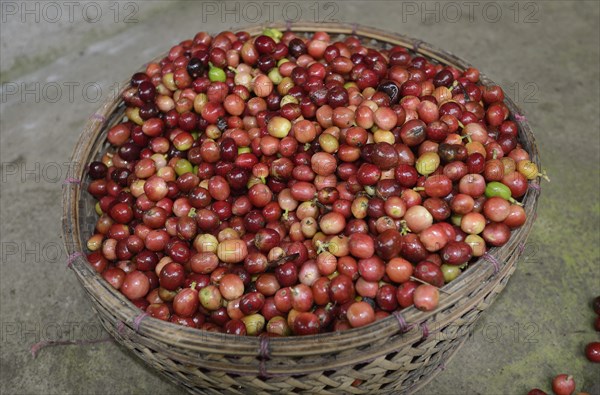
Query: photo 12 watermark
(529,253)
(27,12)
(490,332)
(58,92)
(35,331)
(39,172)
(50,252)
(252,12)
(470,11)
(523,92)
(62,255)
(504,332)
(36,335)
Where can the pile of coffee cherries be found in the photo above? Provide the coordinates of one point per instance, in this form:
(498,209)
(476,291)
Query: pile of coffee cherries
(294,185)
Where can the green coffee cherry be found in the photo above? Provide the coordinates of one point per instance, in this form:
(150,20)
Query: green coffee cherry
(183,166)
(273,33)
(498,189)
(216,74)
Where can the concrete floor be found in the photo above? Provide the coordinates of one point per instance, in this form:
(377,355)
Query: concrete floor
(544,53)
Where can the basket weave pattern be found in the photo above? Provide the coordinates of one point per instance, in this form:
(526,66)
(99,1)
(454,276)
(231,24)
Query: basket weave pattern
(399,354)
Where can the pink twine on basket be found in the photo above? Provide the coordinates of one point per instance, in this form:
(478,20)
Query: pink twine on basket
(354,28)
(120,327)
(425,330)
(138,320)
(71,180)
(520,117)
(288,25)
(264,355)
(72,258)
(98,117)
(521,248)
(404,327)
(442,366)
(490,258)
(36,347)
(535,185)
(417,45)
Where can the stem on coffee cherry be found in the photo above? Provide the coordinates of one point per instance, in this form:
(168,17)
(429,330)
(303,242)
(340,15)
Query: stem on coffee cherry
(322,246)
(425,282)
(282,260)
(514,201)
(321,205)
(544,175)
(405,229)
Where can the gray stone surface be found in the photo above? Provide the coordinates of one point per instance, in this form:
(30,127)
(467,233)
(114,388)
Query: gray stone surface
(39,32)
(544,53)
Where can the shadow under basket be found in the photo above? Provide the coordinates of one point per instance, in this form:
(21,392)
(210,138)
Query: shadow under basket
(399,354)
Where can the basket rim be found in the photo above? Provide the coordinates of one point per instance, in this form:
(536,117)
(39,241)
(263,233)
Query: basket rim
(125,311)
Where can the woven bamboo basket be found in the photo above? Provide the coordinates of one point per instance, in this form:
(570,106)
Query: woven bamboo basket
(399,354)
